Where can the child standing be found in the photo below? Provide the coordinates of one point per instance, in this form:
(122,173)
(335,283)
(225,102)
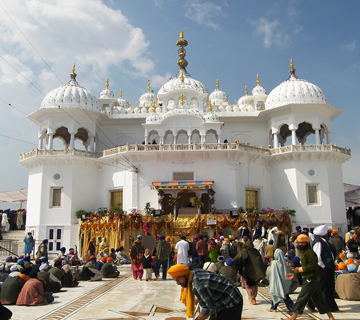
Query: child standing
(147,260)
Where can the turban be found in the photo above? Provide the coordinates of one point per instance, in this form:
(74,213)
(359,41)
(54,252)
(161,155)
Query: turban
(295,260)
(66,268)
(121,248)
(161,238)
(228,261)
(20,261)
(298,228)
(27,258)
(244,221)
(38,261)
(281,232)
(139,236)
(92,259)
(335,232)
(45,241)
(352,268)
(341,255)
(306,229)
(14,268)
(23,276)
(109,260)
(354,235)
(8,259)
(271,223)
(342,266)
(349,255)
(303,238)
(227,240)
(195,259)
(321,230)
(178,270)
(21,256)
(266,257)
(92,250)
(291,247)
(62,249)
(258,221)
(352,231)
(71,251)
(106,249)
(256,236)
(168,238)
(245,238)
(57,263)
(222,238)
(103,259)
(271,241)
(44,267)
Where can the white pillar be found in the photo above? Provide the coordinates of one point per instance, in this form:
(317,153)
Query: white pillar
(92,139)
(276,140)
(317,136)
(72,140)
(41,141)
(50,142)
(293,137)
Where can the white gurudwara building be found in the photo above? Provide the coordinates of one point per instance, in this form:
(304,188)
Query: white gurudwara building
(262,151)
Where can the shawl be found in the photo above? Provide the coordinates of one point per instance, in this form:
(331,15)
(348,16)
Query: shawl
(279,287)
(187,297)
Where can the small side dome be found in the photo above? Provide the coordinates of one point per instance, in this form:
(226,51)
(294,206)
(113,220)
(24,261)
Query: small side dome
(153,117)
(71,95)
(296,91)
(211,116)
(123,104)
(245,102)
(218,97)
(147,98)
(106,93)
(258,89)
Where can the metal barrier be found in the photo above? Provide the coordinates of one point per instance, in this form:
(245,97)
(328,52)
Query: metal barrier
(8,247)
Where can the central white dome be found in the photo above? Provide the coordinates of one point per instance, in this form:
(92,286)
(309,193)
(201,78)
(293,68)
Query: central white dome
(182,81)
(294,90)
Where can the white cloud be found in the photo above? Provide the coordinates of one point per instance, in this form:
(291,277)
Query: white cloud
(349,47)
(205,13)
(270,32)
(87,32)
(157,81)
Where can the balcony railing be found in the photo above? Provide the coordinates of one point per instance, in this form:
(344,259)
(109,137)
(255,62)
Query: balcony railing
(187,147)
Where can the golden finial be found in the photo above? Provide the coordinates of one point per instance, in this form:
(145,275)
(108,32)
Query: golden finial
(292,69)
(123,104)
(120,94)
(73,74)
(153,107)
(136,104)
(144,104)
(235,102)
(107,83)
(210,107)
(182,77)
(148,86)
(246,92)
(182,99)
(257,79)
(181,43)
(129,104)
(217,84)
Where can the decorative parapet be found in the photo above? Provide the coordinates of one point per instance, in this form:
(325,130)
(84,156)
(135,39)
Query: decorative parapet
(310,148)
(62,152)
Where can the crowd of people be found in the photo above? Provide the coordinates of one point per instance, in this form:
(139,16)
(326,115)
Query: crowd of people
(12,219)
(210,270)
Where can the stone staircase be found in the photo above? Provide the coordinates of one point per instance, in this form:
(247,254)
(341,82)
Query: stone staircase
(12,241)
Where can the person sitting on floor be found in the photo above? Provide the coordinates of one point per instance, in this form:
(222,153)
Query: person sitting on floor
(69,279)
(109,270)
(32,294)
(89,272)
(52,284)
(11,288)
(121,256)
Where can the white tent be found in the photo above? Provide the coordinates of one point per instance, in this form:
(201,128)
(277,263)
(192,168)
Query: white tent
(15,196)
(352,195)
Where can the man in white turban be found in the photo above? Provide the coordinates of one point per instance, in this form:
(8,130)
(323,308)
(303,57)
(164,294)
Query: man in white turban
(326,254)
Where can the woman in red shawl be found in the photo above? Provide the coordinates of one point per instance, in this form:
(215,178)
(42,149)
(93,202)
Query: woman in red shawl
(136,254)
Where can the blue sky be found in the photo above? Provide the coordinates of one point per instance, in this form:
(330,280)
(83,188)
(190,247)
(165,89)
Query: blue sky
(133,41)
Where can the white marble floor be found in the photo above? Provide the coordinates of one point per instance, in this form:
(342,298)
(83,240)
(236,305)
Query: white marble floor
(126,298)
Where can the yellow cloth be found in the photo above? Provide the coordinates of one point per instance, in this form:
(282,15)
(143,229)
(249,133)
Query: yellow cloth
(178,270)
(187,297)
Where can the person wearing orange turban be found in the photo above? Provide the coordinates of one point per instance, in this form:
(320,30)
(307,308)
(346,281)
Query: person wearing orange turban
(217,296)
(309,270)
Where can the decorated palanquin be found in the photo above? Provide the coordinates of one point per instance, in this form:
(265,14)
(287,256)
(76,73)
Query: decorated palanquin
(121,230)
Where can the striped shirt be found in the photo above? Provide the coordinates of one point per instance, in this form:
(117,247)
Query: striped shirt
(214,292)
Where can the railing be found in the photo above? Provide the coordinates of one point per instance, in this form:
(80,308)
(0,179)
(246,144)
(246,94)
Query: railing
(9,247)
(310,148)
(187,147)
(60,152)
